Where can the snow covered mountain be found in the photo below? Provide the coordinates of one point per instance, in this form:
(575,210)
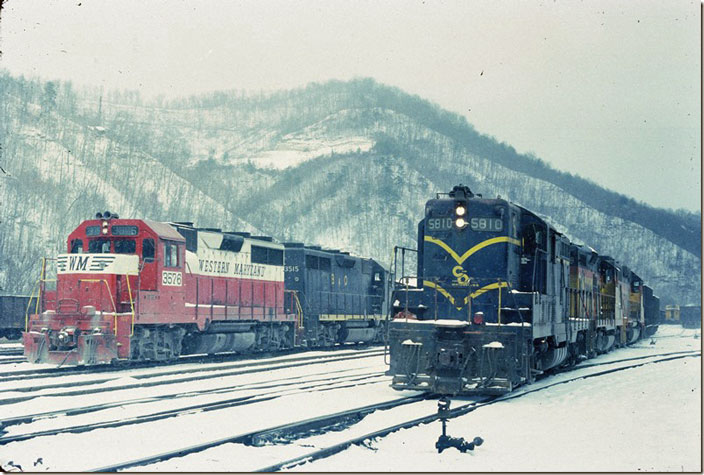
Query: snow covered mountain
(342,164)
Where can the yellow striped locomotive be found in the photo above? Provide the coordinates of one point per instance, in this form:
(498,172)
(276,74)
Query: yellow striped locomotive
(500,296)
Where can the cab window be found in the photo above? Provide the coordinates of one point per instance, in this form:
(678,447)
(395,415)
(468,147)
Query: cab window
(99,246)
(148,249)
(77,246)
(125,246)
(170,255)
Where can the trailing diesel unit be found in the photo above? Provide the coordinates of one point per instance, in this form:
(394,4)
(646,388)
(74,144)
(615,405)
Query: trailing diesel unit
(342,297)
(500,296)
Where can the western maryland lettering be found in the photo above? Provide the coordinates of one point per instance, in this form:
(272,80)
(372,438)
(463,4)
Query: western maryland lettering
(216,267)
(230,268)
(248,270)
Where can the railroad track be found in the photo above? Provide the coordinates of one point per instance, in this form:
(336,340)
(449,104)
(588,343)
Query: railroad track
(231,370)
(296,430)
(11,360)
(49,372)
(453,413)
(291,430)
(189,359)
(319,384)
(634,358)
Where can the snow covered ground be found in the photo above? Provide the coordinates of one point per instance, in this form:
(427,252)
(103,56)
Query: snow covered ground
(646,418)
(641,419)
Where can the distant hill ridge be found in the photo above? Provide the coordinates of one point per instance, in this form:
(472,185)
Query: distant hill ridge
(343,164)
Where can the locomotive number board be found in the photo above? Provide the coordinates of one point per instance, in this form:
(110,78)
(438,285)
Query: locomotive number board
(486,224)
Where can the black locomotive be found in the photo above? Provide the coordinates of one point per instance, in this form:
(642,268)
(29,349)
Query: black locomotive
(501,296)
(342,297)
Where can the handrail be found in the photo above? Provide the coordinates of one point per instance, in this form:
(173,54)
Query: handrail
(37,288)
(29,303)
(129,292)
(499,311)
(300,310)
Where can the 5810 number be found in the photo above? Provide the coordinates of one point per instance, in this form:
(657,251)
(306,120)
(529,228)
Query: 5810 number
(437,224)
(486,224)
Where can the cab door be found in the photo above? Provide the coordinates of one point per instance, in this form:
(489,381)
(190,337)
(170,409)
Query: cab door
(149,265)
(171,279)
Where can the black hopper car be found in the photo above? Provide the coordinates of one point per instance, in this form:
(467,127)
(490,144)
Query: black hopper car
(13,311)
(500,296)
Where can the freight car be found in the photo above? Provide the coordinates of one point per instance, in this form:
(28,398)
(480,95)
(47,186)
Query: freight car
(651,309)
(672,314)
(146,290)
(689,316)
(501,296)
(13,310)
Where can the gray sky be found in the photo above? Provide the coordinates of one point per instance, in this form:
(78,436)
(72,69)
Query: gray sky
(609,90)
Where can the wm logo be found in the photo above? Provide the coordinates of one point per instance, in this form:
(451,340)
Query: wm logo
(78,262)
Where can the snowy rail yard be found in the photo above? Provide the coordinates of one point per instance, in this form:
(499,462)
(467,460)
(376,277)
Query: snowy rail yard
(641,411)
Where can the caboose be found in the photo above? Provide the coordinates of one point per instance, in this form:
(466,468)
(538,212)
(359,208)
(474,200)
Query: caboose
(501,296)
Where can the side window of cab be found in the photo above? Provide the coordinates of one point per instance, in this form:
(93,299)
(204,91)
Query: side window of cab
(77,246)
(171,255)
(148,250)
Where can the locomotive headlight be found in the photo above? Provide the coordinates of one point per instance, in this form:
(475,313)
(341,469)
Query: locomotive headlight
(460,223)
(460,210)
(105,227)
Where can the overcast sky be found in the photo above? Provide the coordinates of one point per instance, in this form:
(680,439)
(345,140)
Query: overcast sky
(609,90)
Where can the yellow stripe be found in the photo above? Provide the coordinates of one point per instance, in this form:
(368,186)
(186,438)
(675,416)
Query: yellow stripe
(481,245)
(447,295)
(478,292)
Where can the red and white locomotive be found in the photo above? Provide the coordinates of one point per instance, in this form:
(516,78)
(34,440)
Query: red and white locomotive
(139,289)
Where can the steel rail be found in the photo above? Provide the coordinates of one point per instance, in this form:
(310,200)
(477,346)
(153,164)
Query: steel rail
(302,428)
(198,369)
(306,386)
(316,423)
(187,359)
(453,413)
(217,374)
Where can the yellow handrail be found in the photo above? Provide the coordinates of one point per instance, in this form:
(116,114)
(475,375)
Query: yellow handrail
(300,310)
(499,315)
(26,313)
(129,291)
(36,288)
